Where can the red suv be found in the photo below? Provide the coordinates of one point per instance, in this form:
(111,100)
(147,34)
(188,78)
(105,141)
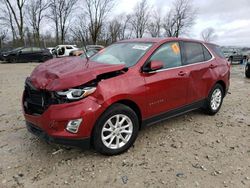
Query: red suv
(105,100)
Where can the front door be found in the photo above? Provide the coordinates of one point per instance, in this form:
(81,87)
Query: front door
(166,89)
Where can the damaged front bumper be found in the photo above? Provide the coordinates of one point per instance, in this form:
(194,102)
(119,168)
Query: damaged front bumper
(82,143)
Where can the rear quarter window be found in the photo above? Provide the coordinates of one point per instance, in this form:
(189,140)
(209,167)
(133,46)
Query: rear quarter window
(207,55)
(216,49)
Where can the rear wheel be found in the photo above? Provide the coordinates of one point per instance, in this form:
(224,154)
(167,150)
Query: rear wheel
(215,99)
(44,58)
(116,130)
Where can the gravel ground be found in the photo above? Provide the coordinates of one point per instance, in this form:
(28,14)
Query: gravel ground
(193,150)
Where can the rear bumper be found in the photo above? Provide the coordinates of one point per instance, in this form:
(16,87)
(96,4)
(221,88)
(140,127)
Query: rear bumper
(82,143)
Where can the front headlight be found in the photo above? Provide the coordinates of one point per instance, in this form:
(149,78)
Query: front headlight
(75,94)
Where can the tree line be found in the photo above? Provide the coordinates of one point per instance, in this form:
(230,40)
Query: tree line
(52,22)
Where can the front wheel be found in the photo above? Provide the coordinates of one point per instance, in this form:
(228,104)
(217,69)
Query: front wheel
(116,130)
(215,99)
(13,60)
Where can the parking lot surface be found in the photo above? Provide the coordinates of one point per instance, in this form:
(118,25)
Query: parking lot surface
(192,150)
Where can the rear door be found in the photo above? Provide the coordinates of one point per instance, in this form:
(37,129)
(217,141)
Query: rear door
(25,55)
(37,54)
(166,89)
(199,64)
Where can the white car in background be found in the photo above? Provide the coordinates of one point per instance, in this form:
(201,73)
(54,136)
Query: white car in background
(51,49)
(64,50)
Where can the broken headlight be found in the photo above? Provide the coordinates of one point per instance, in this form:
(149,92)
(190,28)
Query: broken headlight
(76,94)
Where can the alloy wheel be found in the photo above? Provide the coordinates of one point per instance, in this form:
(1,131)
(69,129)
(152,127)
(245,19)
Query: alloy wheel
(117,131)
(216,99)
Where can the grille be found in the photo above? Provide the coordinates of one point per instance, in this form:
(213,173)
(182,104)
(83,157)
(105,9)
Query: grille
(35,101)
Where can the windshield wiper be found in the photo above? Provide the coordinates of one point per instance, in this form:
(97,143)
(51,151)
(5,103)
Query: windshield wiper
(85,51)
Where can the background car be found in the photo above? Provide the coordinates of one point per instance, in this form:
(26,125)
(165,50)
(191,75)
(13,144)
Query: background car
(27,54)
(96,47)
(2,51)
(90,48)
(81,53)
(1,56)
(236,56)
(51,49)
(63,50)
(247,70)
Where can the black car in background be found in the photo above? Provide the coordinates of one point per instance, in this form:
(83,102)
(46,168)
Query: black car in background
(247,70)
(2,51)
(27,54)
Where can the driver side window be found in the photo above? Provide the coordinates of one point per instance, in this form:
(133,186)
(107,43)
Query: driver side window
(169,54)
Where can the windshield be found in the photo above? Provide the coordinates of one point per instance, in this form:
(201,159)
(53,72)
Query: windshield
(17,49)
(127,53)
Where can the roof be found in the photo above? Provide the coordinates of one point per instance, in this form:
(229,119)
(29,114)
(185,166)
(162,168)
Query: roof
(160,40)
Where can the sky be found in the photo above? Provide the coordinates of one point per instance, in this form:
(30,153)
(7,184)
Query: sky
(229,18)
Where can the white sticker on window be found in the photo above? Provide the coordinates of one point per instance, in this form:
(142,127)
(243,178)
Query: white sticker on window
(140,47)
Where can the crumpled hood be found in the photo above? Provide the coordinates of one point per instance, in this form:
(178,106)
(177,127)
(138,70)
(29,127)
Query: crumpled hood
(63,73)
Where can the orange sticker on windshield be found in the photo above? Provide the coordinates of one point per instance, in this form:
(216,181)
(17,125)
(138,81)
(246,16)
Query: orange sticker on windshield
(175,48)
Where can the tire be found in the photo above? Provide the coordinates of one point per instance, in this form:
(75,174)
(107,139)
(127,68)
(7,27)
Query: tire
(107,126)
(216,94)
(13,60)
(247,71)
(44,58)
(230,60)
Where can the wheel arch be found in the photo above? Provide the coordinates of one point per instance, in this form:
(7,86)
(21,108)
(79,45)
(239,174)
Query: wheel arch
(133,106)
(222,83)
(127,102)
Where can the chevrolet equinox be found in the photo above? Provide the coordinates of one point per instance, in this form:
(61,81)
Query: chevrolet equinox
(105,100)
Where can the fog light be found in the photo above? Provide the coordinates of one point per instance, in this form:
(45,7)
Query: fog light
(73,125)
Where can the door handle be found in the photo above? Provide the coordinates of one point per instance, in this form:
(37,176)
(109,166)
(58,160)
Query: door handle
(182,73)
(212,66)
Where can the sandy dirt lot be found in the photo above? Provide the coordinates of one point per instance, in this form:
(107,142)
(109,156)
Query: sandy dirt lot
(193,150)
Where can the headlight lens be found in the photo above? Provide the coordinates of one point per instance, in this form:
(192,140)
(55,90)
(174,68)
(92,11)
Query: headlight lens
(75,94)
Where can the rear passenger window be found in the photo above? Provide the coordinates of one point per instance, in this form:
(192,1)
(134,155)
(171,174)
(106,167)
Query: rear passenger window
(169,54)
(36,49)
(193,52)
(217,50)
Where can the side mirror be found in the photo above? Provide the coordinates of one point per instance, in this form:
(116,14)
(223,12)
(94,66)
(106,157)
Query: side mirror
(20,51)
(153,66)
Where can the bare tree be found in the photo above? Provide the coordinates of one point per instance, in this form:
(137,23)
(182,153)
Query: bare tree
(35,14)
(97,11)
(80,31)
(3,36)
(154,27)
(179,19)
(53,15)
(114,29)
(208,34)
(7,21)
(140,18)
(126,31)
(60,12)
(18,15)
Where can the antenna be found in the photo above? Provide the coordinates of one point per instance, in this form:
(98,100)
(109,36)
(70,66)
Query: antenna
(85,50)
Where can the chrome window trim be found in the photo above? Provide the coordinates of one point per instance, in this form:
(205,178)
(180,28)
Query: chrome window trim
(198,63)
